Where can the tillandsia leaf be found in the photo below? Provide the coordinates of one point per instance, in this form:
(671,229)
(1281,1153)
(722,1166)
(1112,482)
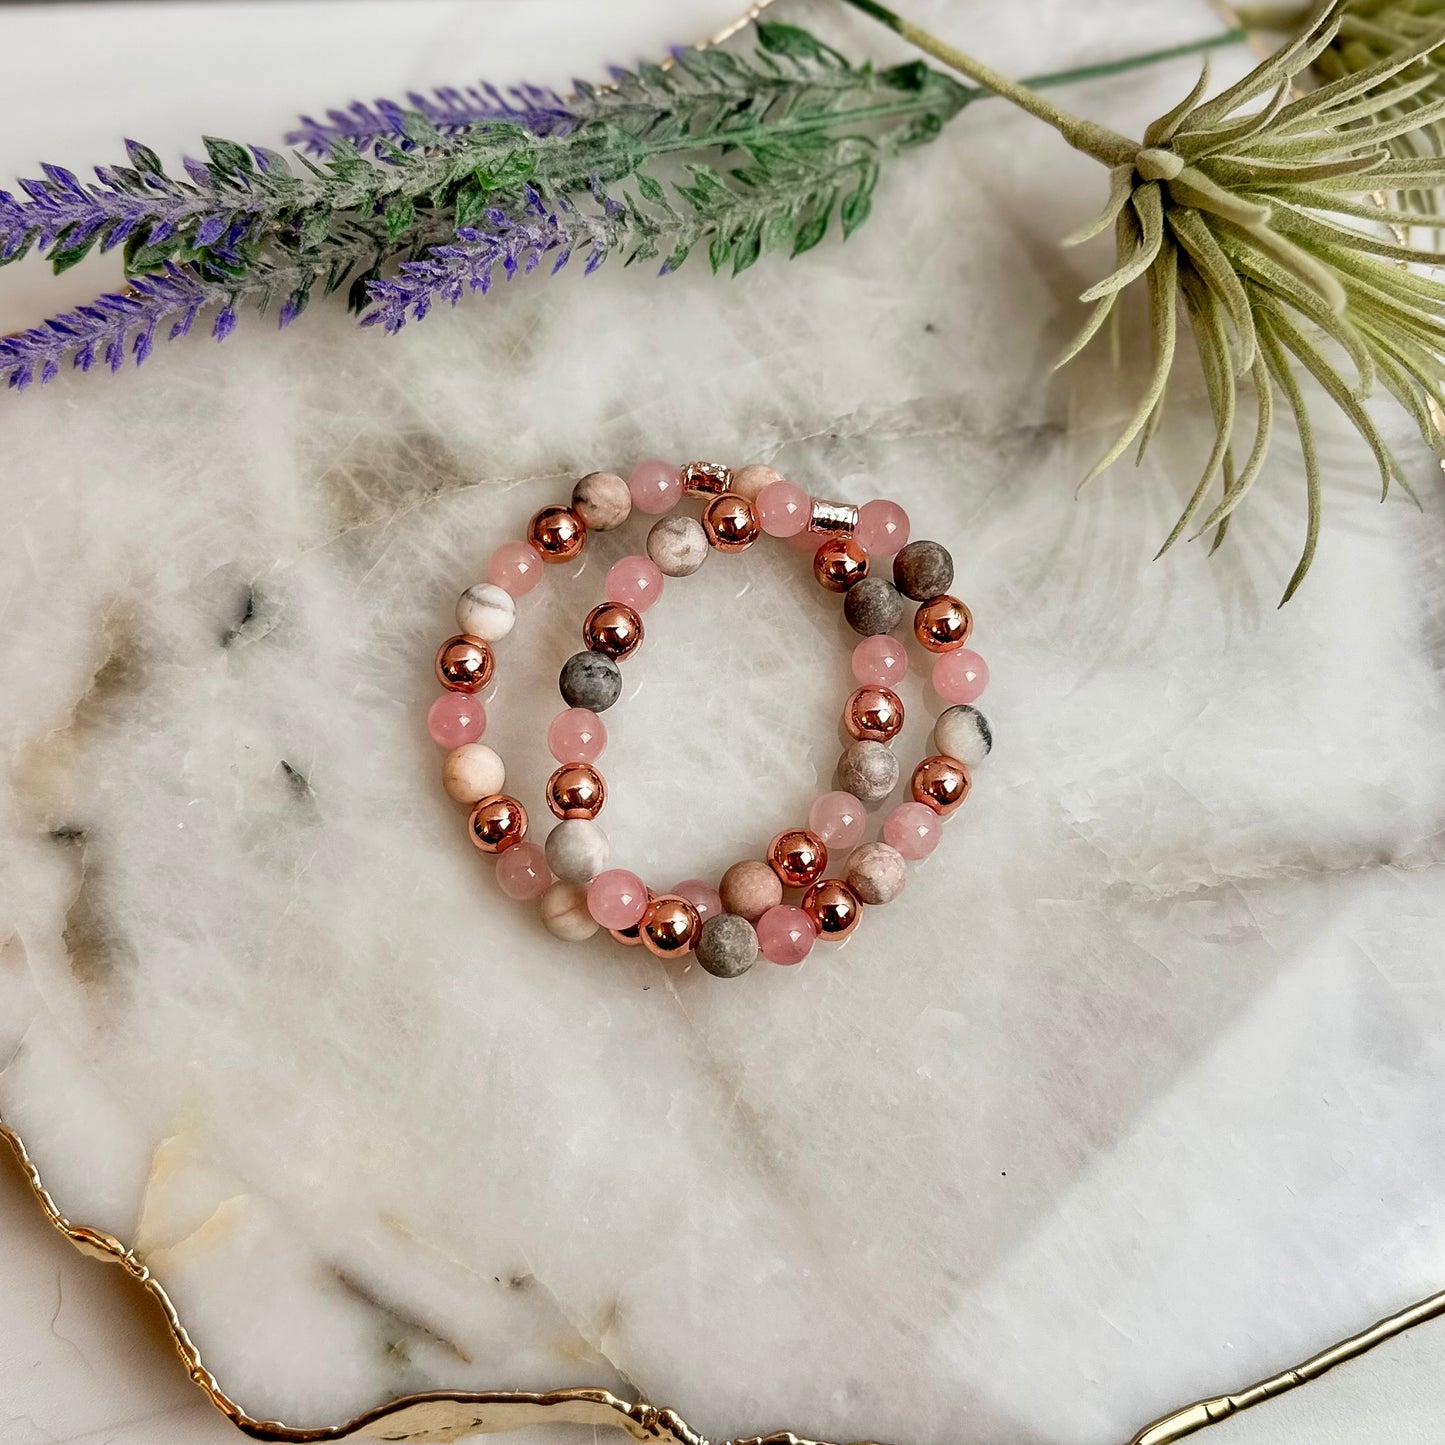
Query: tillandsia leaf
(1276,217)
(795,93)
(1272,217)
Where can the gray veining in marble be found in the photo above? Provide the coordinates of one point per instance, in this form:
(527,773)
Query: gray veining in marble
(1134,1096)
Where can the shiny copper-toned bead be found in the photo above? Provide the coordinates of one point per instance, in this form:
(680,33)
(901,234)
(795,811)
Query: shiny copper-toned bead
(833,909)
(730,523)
(798,857)
(873,714)
(670,926)
(942,624)
(941,783)
(464,664)
(628,937)
(497,823)
(576,790)
(557,533)
(839,563)
(838,518)
(706,479)
(613,629)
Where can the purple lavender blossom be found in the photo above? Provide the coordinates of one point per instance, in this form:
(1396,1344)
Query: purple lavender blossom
(470,262)
(448,108)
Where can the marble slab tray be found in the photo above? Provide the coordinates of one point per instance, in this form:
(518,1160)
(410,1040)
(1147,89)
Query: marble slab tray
(1135,1097)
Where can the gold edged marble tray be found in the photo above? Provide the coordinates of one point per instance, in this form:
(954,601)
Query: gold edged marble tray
(442,1415)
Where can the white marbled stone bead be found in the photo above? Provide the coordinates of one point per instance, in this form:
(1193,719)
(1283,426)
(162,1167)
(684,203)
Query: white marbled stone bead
(577,850)
(472,772)
(963,732)
(602,500)
(678,545)
(486,611)
(564,912)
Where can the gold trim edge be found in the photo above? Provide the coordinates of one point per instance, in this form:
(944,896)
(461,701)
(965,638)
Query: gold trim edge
(441,1416)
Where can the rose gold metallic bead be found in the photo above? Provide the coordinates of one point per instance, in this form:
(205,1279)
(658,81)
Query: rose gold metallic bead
(839,563)
(464,664)
(730,523)
(576,790)
(942,624)
(833,909)
(798,857)
(558,533)
(497,823)
(838,518)
(613,629)
(873,714)
(670,926)
(941,783)
(706,479)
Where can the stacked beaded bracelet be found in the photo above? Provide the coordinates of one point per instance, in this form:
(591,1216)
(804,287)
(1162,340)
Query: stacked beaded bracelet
(726,927)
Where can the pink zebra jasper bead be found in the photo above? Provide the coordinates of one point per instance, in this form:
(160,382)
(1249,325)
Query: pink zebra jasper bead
(880,662)
(522,871)
(576,735)
(515,567)
(913,829)
(456,718)
(839,819)
(785,934)
(703,897)
(656,486)
(617,898)
(634,581)
(961,676)
(783,509)
(882,527)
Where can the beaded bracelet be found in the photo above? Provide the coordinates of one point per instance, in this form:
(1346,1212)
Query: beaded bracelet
(728,926)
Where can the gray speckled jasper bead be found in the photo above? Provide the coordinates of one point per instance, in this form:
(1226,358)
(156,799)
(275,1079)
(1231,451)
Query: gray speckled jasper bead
(590,680)
(873,607)
(963,732)
(727,945)
(577,850)
(678,545)
(923,570)
(868,770)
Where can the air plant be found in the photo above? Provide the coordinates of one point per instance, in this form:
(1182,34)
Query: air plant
(1262,213)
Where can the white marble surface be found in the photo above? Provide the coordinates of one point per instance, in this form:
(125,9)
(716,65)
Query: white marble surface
(1136,1099)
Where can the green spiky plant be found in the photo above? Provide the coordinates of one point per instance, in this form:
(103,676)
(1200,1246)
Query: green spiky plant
(1263,213)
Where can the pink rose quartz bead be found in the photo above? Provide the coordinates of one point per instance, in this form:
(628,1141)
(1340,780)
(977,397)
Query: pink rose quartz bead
(634,581)
(839,819)
(785,934)
(784,509)
(882,528)
(522,871)
(456,718)
(880,662)
(577,735)
(656,486)
(702,895)
(617,898)
(960,676)
(913,829)
(515,567)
